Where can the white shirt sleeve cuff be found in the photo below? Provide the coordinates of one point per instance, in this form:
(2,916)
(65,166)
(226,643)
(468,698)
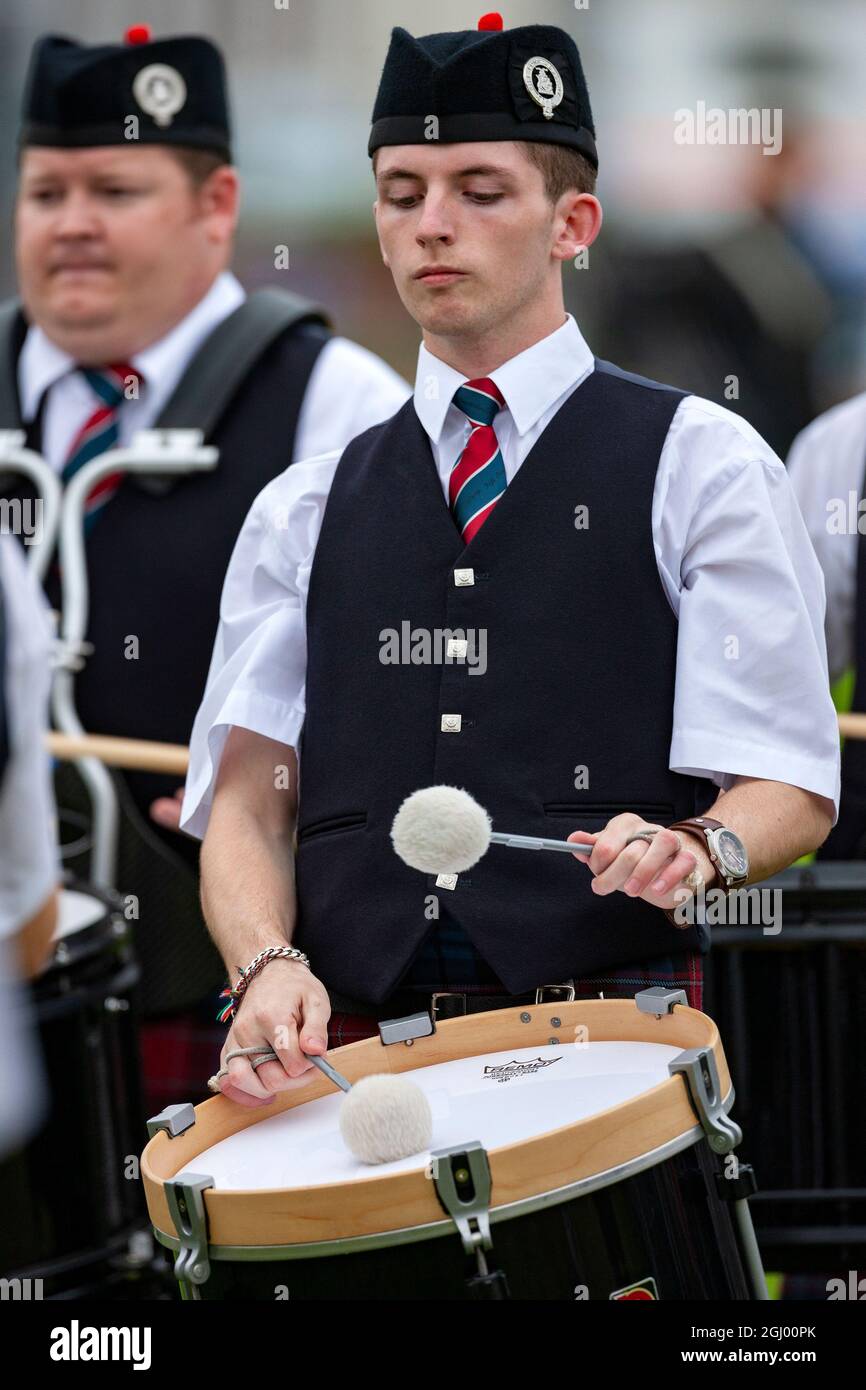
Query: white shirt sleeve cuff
(695,755)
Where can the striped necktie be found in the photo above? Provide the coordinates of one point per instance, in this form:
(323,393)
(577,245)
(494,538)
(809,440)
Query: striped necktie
(99,432)
(478,478)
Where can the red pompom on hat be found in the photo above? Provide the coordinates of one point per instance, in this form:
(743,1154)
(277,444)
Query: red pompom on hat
(137,33)
(491,21)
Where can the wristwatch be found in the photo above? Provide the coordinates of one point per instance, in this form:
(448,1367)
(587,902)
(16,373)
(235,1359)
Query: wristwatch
(724,847)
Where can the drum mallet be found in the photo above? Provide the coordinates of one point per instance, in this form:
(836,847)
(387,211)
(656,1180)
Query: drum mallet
(383,1118)
(443,830)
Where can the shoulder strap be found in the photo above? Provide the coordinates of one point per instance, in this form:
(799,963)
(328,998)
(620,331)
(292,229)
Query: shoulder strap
(229,355)
(611,369)
(11,324)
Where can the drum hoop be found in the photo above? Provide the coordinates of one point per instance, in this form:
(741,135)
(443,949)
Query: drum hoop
(660,1114)
(409,1235)
(110,929)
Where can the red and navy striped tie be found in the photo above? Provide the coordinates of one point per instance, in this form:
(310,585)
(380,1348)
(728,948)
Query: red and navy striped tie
(99,432)
(478,477)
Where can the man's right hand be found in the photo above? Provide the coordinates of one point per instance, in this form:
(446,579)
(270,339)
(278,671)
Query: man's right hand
(287,1008)
(165,811)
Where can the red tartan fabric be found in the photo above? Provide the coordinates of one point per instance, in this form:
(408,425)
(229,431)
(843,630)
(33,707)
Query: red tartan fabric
(180,1052)
(685,972)
(679,972)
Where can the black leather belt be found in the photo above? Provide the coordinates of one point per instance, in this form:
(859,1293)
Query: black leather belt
(444,1004)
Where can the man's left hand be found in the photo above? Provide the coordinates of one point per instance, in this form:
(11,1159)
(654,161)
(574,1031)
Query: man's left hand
(650,869)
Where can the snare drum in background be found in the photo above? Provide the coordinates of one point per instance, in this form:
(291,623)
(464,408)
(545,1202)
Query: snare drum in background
(68,1207)
(576,1154)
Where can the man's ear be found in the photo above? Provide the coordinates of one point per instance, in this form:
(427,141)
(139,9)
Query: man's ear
(580,223)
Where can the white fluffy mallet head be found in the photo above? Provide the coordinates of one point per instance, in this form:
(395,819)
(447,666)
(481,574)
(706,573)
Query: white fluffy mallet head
(384,1118)
(441,830)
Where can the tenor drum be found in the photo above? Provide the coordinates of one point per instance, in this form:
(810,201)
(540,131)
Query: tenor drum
(576,1155)
(70,1198)
(789,995)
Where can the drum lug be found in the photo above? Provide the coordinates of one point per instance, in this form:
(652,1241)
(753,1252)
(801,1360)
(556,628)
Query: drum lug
(185,1197)
(407,1029)
(461,1176)
(660,1000)
(173,1120)
(701,1075)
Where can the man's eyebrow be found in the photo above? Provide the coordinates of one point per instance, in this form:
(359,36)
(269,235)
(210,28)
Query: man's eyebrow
(497,170)
(474,170)
(398,174)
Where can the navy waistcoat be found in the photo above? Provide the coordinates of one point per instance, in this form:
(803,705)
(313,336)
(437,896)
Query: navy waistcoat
(581,657)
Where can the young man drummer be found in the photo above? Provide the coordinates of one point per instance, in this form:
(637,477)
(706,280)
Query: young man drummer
(126,213)
(633,609)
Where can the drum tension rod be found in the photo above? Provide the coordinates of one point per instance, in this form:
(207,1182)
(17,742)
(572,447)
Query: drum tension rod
(461,1177)
(700,1073)
(185,1197)
(698,1068)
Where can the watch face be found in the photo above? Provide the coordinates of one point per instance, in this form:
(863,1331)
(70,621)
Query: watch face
(732,852)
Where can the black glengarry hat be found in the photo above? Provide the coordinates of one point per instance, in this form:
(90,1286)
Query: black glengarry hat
(485,84)
(78,94)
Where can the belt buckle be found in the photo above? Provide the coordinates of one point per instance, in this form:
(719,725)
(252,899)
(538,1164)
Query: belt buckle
(445,994)
(568,998)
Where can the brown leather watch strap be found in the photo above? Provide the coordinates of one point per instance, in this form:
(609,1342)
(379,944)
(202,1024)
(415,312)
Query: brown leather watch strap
(699,823)
(695,825)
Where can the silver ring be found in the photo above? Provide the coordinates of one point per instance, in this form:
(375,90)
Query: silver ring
(268,1055)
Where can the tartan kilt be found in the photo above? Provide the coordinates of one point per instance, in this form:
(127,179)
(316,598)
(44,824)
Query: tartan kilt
(683,971)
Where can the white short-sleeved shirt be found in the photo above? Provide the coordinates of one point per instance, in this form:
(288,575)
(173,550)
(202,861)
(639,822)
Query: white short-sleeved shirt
(827,465)
(29,858)
(349,388)
(734,559)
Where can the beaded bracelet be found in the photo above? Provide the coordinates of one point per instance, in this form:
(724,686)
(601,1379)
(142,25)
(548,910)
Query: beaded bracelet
(258,963)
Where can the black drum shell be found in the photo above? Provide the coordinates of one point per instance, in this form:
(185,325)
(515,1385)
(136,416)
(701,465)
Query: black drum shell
(666,1223)
(67,1200)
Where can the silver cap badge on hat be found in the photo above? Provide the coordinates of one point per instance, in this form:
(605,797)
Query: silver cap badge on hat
(160,91)
(544,84)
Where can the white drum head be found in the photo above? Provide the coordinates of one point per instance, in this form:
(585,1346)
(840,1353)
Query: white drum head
(498,1098)
(76,911)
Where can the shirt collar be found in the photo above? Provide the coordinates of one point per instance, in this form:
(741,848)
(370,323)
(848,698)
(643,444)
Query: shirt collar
(531,382)
(41,362)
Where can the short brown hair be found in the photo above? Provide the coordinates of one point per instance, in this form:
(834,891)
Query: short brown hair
(198,165)
(562,168)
